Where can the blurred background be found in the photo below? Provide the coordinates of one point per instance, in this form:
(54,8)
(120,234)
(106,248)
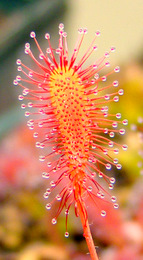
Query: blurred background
(26,232)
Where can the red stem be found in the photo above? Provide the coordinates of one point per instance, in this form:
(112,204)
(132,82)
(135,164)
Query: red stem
(86,228)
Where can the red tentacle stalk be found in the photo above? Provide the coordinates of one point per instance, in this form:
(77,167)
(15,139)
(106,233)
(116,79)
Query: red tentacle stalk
(86,229)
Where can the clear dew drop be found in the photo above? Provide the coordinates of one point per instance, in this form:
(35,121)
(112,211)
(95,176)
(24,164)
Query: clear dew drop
(122,131)
(112,180)
(111,186)
(118,115)
(107,97)
(30,122)
(105,151)
(31,127)
(105,114)
(27,51)
(93,146)
(92,81)
(105,130)
(103,213)
(98,194)
(121,92)
(23,106)
(115,83)
(45,175)
(18,78)
(53,184)
(113,49)
(41,56)
(58,51)
(111,134)
(117,69)
(104,78)
(66,234)
(100,175)
(49,164)
(15,82)
(48,206)
(116,206)
(30,104)
(96,76)
(84,180)
(115,160)
(27,113)
(97,33)
(25,91)
(64,34)
(116,150)
(107,63)
(90,159)
(93,174)
(119,166)
(104,109)
(85,30)
(116,99)
(20,97)
(106,54)
(27,45)
(48,50)
(66,212)
(40,124)
(46,195)
(114,124)
(48,190)
(19,68)
(125,122)
(89,188)
(35,134)
(54,169)
(95,47)
(113,199)
(110,144)
(58,197)
(32,34)
(80,30)
(37,144)
(18,62)
(42,158)
(47,36)
(61,26)
(30,74)
(124,147)
(47,137)
(54,221)
(102,196)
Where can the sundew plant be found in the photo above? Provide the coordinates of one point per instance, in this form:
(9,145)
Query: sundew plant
(67,103)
